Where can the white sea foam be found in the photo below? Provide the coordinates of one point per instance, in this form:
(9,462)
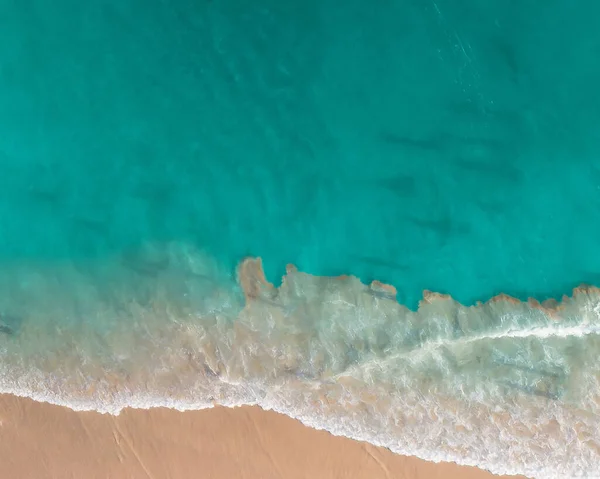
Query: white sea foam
(506,386)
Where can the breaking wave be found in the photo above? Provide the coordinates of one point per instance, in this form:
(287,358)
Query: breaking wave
(508,386)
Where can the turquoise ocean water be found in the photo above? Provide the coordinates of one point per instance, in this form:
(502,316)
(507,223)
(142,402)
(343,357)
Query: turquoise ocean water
(146,149)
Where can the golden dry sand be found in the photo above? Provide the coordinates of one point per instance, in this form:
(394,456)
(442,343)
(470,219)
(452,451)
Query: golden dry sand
(40,441)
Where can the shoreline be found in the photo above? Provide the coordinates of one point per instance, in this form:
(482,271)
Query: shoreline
(335,354)
(162,443)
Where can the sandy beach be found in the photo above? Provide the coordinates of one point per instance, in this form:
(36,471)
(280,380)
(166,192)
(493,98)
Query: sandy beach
(39,441)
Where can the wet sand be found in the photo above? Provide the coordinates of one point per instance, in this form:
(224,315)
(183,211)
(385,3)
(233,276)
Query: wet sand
(43,441)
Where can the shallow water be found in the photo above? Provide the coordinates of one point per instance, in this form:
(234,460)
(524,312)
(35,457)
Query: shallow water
(146,150)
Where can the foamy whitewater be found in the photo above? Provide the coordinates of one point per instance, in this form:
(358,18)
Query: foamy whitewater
(508,386)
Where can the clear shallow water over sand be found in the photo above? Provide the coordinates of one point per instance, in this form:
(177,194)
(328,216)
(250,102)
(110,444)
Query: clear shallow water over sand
(146,150)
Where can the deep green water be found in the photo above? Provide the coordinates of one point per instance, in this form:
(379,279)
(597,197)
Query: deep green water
(450,146)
